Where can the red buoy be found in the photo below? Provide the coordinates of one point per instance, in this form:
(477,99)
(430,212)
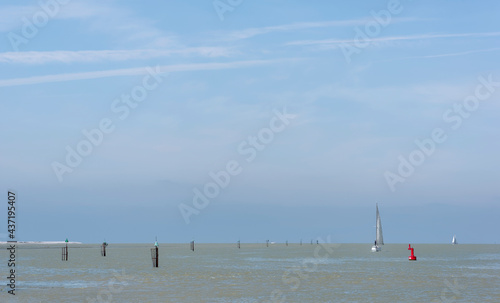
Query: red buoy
(412,257)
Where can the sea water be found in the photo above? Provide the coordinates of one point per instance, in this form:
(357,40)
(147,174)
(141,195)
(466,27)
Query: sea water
(254,273)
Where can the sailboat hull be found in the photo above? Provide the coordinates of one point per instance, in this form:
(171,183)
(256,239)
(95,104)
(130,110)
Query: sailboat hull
(376,248)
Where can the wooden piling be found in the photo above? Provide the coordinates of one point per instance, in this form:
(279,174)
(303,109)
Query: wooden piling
(65,253)
(154,256)
(192,245)
(239,246)
(103,248)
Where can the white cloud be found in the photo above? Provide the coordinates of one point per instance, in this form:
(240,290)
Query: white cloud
(84,10)
(385,97)
(108,55)
(251,32)
(457,54)
(255,31)
(10,16)
(335,43)
(122,24)
(133,72)
(97,16)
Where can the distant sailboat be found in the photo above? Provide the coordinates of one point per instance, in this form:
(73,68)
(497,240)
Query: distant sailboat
(379,239)
(454,240)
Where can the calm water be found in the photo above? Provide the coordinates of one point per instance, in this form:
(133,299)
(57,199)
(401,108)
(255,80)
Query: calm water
(254,273)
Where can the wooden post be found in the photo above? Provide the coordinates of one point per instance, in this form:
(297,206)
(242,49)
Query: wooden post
(103,248)
(154,255)
(65,251)
(192,245)
(239,244)
(157,257)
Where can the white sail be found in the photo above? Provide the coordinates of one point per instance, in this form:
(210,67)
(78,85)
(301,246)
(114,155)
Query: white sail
(454,241)
(379,239)
(379,236)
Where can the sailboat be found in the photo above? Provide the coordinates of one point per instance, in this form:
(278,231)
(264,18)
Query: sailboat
(454,240)
(379,239)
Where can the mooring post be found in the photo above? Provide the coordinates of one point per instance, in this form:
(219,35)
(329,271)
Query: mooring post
(192,245)
(103,248)
(65,251)
(239,244)
(157,257)
(154,254)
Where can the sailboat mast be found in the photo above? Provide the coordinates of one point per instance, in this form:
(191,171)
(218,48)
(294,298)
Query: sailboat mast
(376,224)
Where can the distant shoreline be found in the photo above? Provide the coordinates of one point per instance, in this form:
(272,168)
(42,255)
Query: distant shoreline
(42,242)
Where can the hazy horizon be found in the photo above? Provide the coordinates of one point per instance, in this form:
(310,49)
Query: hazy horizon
(251,120)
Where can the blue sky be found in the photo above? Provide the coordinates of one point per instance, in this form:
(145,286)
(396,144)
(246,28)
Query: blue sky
(333,94)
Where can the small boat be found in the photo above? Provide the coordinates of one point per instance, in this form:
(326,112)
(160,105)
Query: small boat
(454,240)
(379,239)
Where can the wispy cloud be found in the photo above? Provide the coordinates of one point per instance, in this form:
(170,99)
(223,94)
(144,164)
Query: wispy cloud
(77,9)
(457,54)
(135,71)
(255,31)
(390,97)
(108,55)
(335,43)
(251,32)
(121,23)
(102,17)
(10,16)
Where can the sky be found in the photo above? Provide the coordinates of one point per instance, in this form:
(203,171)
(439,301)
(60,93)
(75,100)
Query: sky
(251,120)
